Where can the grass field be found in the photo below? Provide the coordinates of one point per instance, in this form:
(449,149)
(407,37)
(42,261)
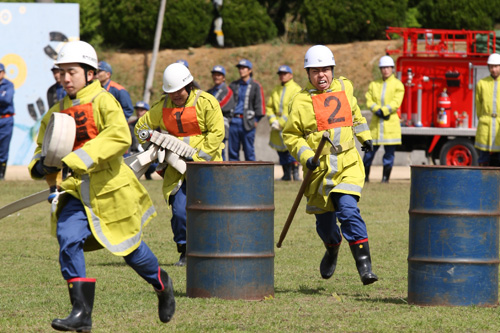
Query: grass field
(32,291)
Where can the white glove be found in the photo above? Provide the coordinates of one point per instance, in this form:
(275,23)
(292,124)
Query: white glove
(174,161)
(170,142)
(276,126)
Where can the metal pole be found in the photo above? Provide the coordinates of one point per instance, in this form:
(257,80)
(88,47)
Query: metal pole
(156,46)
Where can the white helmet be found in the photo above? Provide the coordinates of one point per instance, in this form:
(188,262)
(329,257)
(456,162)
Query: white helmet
(494,59)
(175,77)
(77,52)
(319,56)
(386,61)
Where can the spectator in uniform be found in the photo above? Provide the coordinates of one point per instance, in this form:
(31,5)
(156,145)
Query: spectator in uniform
(487,106)
(225,97)
(56,91)
(190,115)
(6,119)
(104,73)
(384,97)
(277,113)
(338,176)
(103,204)
(250,108)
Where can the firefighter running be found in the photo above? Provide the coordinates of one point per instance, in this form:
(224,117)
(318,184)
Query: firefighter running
(104,204)
(193,116)
(328,104)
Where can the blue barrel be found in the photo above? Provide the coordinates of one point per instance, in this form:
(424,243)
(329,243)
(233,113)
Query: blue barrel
(454,236)
(230,230)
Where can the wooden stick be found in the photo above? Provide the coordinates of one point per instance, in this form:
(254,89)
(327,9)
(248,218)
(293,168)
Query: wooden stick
(305,182)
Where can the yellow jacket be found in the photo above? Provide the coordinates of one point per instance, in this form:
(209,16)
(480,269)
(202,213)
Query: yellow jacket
(118,207)
(277,110)
(341,172)
(487,136)
(208,143)
(386,96)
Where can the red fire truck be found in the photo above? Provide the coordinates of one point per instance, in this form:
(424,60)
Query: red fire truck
(440,69)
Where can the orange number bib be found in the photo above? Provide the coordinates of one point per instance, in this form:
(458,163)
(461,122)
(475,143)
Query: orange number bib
(332,110)
(86,128)
(181,121)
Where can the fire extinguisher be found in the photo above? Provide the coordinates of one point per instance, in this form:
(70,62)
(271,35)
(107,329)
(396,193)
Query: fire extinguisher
(444,106)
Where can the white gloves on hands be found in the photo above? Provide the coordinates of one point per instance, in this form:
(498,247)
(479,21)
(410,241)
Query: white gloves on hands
(276,126)
(171,143)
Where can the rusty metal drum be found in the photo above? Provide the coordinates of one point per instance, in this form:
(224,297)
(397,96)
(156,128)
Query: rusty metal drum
(230,230)
(453,252)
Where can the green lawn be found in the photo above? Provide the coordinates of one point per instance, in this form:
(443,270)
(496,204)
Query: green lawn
(32,291)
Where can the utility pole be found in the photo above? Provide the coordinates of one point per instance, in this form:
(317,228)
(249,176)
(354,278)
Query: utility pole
(156,46)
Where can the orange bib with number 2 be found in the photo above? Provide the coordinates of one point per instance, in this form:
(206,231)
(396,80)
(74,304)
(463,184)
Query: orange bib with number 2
(332,110)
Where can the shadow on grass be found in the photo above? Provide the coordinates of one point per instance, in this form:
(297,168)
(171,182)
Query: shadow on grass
(302,289)
(388,300)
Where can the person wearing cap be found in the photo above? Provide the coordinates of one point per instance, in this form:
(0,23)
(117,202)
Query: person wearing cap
(101,204)
(104,73)
(277,113)
(56,91)
(194,117)
(327,104)
(250,108)
(487,106)
(185,63)
(226,100)
(6,119)
(383,98)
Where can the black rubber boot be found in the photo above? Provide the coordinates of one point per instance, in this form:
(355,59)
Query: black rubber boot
(361,253)
(3,167)
(386,173)
(287,172)
(329,261)
(81,294)
(181,248)
(166,300)
(295,171)
(367,174)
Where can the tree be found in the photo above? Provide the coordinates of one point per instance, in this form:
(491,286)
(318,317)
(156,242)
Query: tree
(246,22)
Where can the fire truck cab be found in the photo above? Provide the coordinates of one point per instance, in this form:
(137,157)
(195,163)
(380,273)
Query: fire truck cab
(440,70)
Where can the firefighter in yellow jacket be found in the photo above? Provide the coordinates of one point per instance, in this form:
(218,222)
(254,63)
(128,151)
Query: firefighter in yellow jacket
(104,205)
(277,113)
(195,117)
(487,108)
(328,104)
(384,97)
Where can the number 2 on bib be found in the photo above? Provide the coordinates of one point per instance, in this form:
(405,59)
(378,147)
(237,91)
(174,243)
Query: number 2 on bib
(332,110)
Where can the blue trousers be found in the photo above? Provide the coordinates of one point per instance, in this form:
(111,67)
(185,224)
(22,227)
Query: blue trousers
(239,136)
(387,160)
(73,230)
(6,130)
(179,216)
(351,223)
(286,157)
(485,157)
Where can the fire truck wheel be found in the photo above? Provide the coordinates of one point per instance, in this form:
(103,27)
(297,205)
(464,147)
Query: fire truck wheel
(458,152)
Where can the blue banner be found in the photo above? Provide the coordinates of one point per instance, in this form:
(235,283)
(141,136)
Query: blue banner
(32,34)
